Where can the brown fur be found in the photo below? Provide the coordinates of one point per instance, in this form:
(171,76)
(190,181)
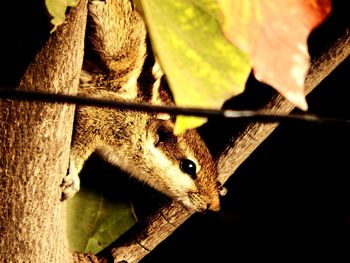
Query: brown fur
(142,144)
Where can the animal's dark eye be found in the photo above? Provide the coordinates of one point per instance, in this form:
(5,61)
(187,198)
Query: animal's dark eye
(188,167)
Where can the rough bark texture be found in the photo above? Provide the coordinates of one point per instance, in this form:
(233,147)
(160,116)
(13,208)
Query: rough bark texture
(35,142)
(145,237)
(142,239)
(84,258)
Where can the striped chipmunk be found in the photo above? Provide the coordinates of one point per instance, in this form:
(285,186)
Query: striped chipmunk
(119,66)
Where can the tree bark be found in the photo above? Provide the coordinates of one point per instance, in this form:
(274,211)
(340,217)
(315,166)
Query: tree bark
(143,238)
(35,142)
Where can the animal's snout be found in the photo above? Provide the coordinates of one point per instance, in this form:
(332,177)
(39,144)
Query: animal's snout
(214,204)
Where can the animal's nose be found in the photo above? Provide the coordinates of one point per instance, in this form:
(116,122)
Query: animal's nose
(214,205)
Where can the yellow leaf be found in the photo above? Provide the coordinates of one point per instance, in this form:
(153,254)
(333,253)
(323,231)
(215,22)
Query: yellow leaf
(203,69)
(57,9)
(185,122)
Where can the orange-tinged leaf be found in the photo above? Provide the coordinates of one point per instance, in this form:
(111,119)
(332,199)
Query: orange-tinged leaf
(274,33)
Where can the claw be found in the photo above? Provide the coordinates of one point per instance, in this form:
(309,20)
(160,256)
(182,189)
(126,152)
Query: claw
(70,185)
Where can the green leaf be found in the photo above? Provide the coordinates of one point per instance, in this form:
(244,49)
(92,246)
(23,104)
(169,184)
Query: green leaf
(202,67)
(57,9)
(97,216)
(72,2)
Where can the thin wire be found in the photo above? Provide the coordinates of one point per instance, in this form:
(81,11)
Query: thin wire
(254,115)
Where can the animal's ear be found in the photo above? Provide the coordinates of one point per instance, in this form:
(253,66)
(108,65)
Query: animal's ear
(159,131)
(161,93)
(164,116)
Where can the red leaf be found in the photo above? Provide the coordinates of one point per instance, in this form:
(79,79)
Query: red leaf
(274,33)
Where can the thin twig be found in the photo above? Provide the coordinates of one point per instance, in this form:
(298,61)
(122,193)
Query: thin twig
(252,115)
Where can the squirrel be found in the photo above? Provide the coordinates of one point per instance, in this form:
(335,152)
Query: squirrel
(119,66)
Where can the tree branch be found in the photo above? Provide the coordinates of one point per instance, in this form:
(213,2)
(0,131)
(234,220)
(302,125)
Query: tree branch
(242,145)
(35,142)
(143,238)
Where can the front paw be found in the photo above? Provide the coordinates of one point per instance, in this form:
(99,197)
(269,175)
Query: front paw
(70,185)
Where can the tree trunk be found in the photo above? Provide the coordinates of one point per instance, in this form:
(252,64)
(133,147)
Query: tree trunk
(35,142)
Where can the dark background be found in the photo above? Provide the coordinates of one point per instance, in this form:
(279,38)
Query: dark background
(289,200)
